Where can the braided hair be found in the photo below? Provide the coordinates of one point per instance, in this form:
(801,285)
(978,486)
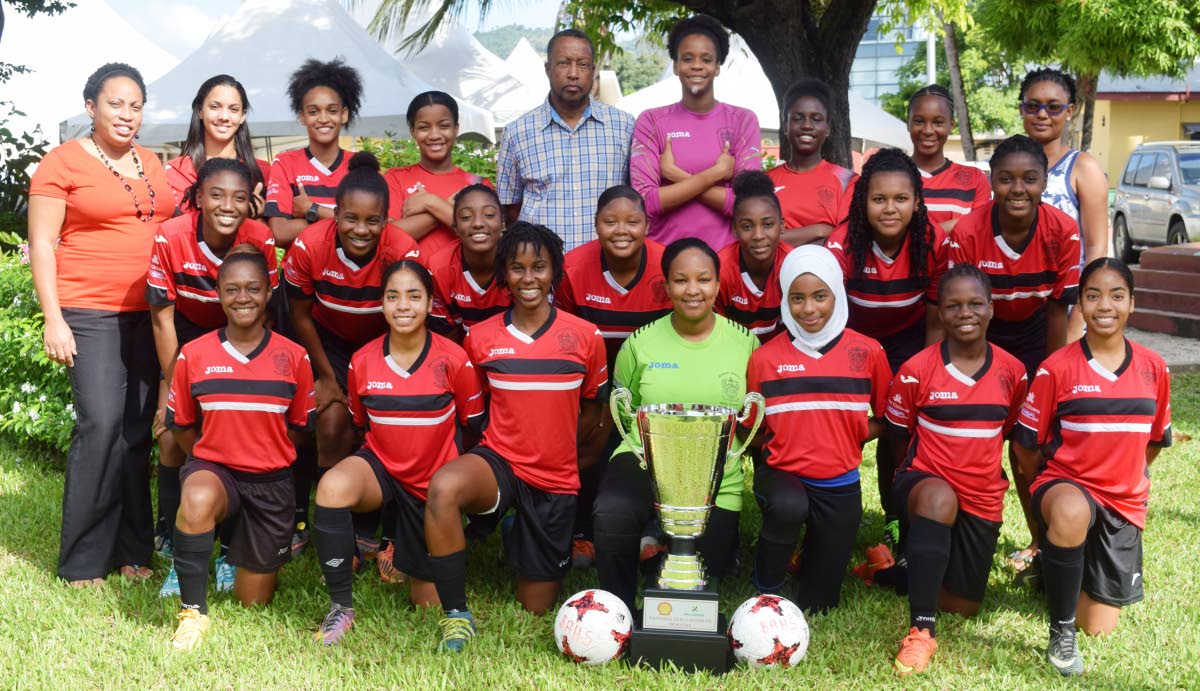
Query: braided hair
(920,233)
(537,237)
(1019,144)
(965,270)
(212,167)
(932,90)
(1049,74)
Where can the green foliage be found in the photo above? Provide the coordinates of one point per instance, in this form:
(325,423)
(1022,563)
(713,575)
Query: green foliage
(990,84)
(35,393)
(471,156)
(503,39)
(19,152)
(638,69)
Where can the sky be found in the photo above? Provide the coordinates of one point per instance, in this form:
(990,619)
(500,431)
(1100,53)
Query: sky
(180,26)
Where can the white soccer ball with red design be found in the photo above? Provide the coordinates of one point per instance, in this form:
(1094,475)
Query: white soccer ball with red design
(768,630)
(593,627)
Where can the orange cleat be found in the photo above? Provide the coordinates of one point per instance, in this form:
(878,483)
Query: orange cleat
(388,573)
(915,651)
(879,557)
(583,553)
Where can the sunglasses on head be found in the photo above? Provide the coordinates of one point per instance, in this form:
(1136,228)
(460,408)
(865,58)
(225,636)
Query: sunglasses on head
(1052,109)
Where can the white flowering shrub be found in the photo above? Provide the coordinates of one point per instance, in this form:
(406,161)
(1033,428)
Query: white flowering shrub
(35,393)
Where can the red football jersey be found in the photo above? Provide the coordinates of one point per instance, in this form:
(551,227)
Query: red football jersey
(956,423)
(410,414)
(403,182)
(829,390)
(1023,278)
(820,195)
(1094,425)
(296,167)
(183,269)
(536,384)
(348,299)
(884,299)
(181,174)
(588,290)
(244,404)
(953,190)
(740,300)
(458,300)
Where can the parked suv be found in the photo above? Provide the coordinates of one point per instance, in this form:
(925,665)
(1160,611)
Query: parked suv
(1158,197)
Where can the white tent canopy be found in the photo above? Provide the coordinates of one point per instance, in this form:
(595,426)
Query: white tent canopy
(62,51)
(742,82)
(528,65)
(261,44)
(457,63)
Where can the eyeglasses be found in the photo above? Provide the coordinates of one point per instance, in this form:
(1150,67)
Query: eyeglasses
(1052,109)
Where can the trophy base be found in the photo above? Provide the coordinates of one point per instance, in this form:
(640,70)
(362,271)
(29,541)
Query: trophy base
(688,650)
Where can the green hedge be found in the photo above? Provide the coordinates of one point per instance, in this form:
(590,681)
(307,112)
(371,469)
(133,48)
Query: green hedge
(471,156)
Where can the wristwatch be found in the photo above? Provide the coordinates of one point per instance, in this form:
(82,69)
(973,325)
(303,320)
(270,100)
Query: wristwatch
(311,215)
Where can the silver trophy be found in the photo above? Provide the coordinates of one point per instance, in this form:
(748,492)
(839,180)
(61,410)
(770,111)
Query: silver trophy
(684,446)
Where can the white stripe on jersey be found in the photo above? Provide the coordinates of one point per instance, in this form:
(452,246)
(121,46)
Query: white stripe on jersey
(1021,294)
(196,296)
(970,433)
(817,405)
(345,308)
(243,405)
(898,303)
(1105,426)
(411,421)
(534,385)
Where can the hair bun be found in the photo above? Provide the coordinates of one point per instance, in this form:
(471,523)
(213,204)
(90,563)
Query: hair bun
(753,183)
(364,160)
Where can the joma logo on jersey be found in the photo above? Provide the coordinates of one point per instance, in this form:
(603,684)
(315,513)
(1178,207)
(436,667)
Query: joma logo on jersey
(1085,388)
(870,270)
(195,266)
(678,135)
(307,178)
(740,300)
(789,368)
(662,365)
(378,385)
(333,274)
(218,369)
(986,264)
(943,395)
(460,297)
(501,351)
(598,298)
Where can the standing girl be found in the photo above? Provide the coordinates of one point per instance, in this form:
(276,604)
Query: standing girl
(951,190)
(466,287)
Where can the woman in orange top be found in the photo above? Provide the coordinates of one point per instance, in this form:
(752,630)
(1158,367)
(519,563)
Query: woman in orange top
(94,206)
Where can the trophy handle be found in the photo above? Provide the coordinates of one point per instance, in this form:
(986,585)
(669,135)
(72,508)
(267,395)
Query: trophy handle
(753,398)
(619,403)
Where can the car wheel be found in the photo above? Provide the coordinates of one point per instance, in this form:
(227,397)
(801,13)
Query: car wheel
(1177,235)
(1122,243)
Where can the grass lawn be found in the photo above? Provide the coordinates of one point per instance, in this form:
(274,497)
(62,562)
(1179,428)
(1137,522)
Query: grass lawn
(117,635)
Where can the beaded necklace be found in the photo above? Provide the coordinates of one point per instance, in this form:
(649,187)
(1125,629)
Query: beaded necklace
(141,174)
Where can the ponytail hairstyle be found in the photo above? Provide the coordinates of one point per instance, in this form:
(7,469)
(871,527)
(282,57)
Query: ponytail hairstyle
(414,266)
(244,253)
(537,237)
(191,196)
(431,98)
(1106,263)
(475,187)
(1019,144)
(965,270)
(364,176)
(193,148)
(932,90)
(920,235)
(616,192)
(95,81)
(334,74)
(681,245)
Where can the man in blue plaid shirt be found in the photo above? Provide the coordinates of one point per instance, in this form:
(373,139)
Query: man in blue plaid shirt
(556,159)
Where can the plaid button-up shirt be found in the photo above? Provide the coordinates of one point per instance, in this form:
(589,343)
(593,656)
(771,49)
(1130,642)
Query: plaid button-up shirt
(556,173)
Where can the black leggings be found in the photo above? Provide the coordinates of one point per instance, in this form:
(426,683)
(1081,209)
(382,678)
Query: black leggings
(624,504)
(831,515)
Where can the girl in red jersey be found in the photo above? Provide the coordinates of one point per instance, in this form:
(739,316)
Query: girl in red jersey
(181,287)
(218,130)
(616,283)
(950,190)
(414,392)
(1030,251)
(240,398)
(892,258)
(547,379)
(466,291)
(950,408)
(815,194)
(1097,414)
(820,376)
(325,96)
(422,195)
(750,266)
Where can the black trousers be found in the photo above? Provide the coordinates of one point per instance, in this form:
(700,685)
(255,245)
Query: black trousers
(107,520)
(624,504)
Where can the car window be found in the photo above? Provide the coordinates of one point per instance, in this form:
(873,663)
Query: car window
(1143,172)
(1162,166)
(1189,166)
(1131,169)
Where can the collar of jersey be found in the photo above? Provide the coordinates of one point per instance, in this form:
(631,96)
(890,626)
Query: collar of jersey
(406,373)
(1013,253)
(479,289)
(352,263)
(940,169)
(823,350)
(208,251)
(521,335)
(236,354)
(318,165)
(1099,368)
(623,289)
(969,380)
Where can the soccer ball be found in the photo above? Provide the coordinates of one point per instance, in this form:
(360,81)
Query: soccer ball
(768,630)
(593,627)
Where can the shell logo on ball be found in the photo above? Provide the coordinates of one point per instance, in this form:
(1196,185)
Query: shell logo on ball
(768,631)
(593,627)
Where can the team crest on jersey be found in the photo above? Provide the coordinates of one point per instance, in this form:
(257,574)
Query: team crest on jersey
(729,386)
(658,287)
(1052,246)
(825,194)
(569,342)
(858,358)
(1147,374)
(441,373)
(962,176)
(279,358)
(1006,382)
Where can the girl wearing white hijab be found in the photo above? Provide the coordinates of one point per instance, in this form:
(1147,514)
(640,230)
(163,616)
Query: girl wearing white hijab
(819,376)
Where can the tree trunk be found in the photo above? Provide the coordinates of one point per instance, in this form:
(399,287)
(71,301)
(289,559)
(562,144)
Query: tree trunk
(950,41)
(792,43)
(1086,95)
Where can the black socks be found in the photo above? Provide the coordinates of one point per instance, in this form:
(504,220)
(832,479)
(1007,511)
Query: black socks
(169,494)
(928,554)
(334,533)
(192,555)
(1062,577)
(450,577)
(770,565)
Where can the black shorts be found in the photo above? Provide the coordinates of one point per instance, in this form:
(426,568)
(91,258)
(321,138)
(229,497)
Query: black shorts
(972,540)
(261,507)
(338,351)
(539,546)
(902,345)
(407,531)
(1112,552)
(1024,340)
